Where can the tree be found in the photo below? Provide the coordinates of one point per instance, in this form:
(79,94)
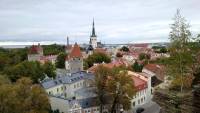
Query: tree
(137,67)
(53,49)
(32,69)
(119,55)
(125,49)
(97,57)
(121,88)
(23,97)
(116,85)
(60,61)
(181,59)
(101,76)
(49,69)
(144,56)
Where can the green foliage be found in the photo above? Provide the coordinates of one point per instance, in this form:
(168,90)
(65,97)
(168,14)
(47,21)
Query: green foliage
(125,49)
(184,55)
(144,56)
(160,49)
(10,57)
(60,61)
(162,61)
(33,70)
(137,67)
(53,49)
(23,97)
(49,69)
(96,58)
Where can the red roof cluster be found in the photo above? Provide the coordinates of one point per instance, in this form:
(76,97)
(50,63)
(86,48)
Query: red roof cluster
(35,49)
(76,52)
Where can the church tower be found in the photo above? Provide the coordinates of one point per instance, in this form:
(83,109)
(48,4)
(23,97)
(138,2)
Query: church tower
(93,37)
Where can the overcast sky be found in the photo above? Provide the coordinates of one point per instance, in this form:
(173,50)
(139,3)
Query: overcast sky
(116,21)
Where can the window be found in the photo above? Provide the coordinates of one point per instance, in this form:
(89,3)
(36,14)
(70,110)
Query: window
(74,85)
(57,89)
(133,103)
(139,101)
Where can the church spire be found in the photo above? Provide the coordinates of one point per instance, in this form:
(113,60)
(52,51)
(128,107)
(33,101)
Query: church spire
(93,30)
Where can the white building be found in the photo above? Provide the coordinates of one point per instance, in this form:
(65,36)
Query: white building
(142,83)
(66,85)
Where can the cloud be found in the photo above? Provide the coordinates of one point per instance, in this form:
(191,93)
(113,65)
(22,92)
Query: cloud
(116,21)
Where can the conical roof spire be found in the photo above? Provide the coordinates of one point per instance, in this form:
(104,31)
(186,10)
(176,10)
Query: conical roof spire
(93,30)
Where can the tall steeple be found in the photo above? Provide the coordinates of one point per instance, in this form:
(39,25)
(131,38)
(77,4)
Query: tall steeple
(67,41)
(93,30)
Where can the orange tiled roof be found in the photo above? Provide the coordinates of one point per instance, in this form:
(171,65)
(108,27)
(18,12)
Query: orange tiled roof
(139,83)
(76,52)
(157,69)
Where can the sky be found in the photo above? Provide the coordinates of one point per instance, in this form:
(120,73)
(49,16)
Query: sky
(116,21)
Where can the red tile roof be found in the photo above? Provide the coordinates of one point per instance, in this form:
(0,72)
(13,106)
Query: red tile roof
(76,52)
(34,49)
(139,83)
(157,69)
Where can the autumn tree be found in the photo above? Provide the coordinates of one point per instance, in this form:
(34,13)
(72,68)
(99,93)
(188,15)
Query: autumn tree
(121,88)
(22,97)
(116,85)
(101,76)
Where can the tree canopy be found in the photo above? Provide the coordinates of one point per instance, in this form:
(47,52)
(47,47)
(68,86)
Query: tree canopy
(125,49)
(60,61)
(22,97)
(34,70)
(96,57)
(144,56)
(137,67)
(115,84)
(53,49)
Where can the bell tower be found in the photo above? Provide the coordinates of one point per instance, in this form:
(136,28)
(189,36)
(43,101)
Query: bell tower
(93,37)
